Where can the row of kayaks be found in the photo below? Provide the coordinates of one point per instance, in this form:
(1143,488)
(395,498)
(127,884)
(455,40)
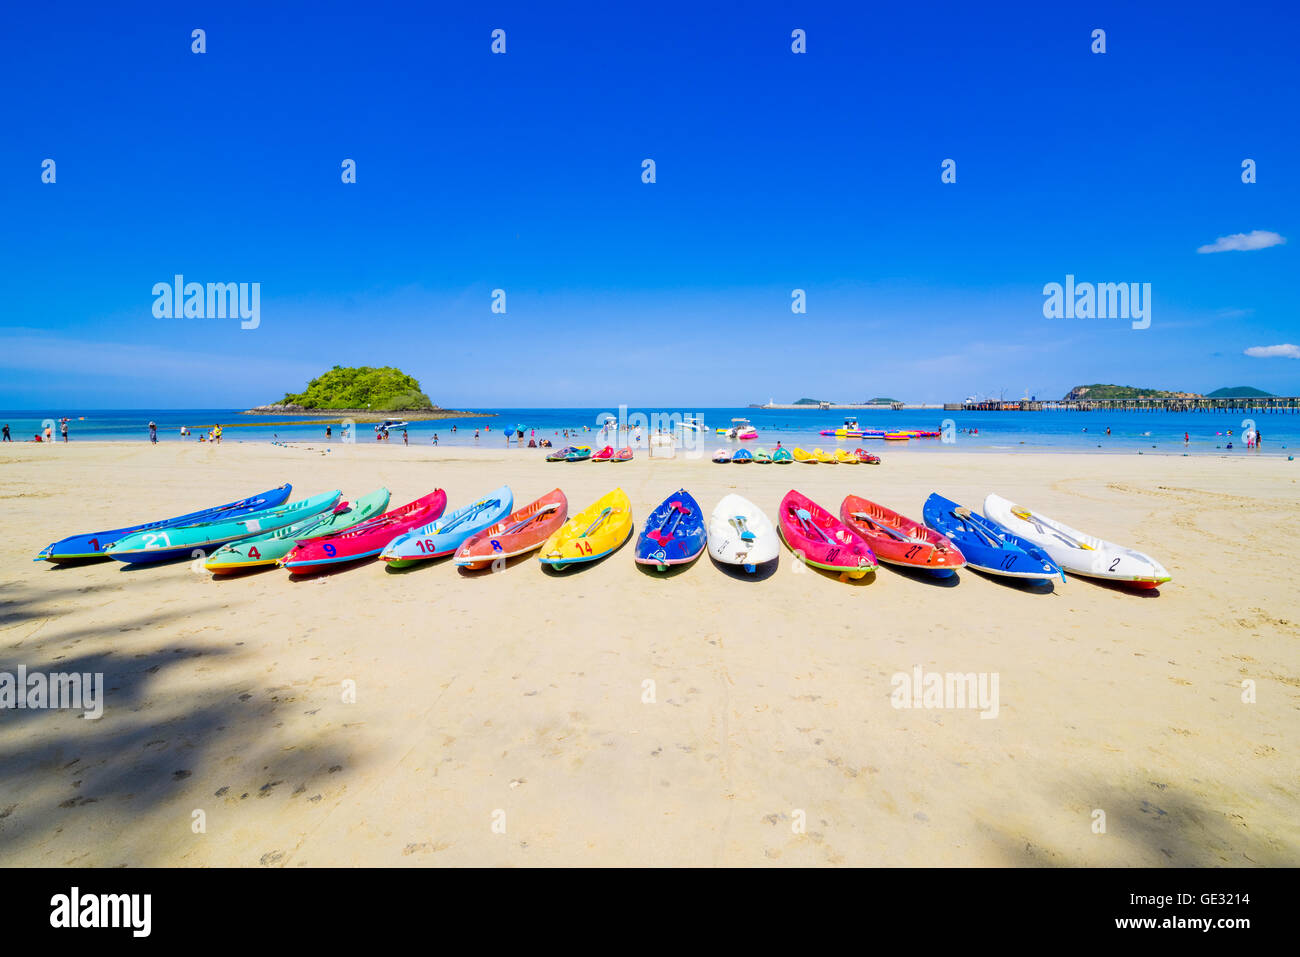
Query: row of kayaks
(583,453)
(322,531)
(783,456)
(897,435)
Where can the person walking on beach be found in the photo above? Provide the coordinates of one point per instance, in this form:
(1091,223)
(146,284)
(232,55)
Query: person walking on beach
(216,431)
(435,438)
(153,433)
(405,440)
(49,433)
(64,429)
(1186,438)
(8,437)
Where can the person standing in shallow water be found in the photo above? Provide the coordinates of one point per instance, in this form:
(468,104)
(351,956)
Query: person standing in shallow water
(8,437)
(153,433)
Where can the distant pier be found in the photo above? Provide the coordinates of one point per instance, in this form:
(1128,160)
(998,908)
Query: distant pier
(1258,404)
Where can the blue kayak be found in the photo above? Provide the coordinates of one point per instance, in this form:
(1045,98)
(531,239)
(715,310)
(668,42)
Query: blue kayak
(449,532)
(674,534)
(91,545)
(193,541)
(987,545)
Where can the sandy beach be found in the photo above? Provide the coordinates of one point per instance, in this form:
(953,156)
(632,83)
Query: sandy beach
(610,716)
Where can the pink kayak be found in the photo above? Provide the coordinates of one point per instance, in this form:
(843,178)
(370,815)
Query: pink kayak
(367,539)
(822,540)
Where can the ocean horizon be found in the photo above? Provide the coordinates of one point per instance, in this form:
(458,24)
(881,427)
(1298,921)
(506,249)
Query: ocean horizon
(972,431)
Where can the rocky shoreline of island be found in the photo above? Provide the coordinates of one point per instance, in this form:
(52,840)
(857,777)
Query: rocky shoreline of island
(368,415)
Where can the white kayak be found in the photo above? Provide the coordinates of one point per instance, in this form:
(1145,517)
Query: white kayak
(740,534)
(1076,551)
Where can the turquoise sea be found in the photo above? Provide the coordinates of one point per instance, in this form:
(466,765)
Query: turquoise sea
(1159,432)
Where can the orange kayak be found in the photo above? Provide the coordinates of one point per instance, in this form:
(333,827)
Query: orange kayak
(900,540)
(518,533)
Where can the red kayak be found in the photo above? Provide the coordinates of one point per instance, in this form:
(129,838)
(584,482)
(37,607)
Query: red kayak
(623,455)
(899,540)
(367,539)
(862,455)
(604,455)
(517,534)
(822,540)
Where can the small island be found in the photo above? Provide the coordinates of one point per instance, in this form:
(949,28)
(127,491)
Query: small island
(1239,392)
(363,393)
(1105,392)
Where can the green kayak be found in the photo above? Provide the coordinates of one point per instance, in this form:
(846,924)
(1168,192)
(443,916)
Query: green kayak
(268,549)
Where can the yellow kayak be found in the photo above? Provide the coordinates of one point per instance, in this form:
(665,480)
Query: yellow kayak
(805,457)
(592,534)
(845,458)
(822,457)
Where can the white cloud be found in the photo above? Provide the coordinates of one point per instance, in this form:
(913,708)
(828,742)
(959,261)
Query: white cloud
(1244,242)
(1284,351)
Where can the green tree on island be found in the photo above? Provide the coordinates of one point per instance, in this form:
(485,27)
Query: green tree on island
(381,390)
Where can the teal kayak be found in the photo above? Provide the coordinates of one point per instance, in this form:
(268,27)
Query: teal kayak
(166,544)
(270,547)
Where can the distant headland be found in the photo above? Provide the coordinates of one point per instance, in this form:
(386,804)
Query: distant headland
(363,393)
(1103,392)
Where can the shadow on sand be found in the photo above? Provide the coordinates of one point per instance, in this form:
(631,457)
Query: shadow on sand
(171,738)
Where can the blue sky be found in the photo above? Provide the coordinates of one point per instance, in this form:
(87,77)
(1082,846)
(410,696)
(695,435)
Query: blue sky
(522,172)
